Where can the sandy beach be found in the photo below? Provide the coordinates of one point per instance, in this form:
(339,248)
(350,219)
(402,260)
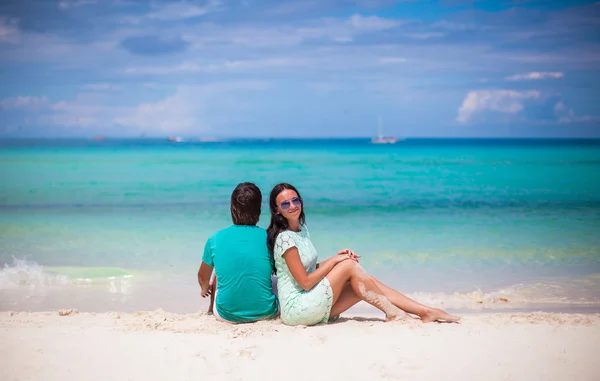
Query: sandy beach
(157,345)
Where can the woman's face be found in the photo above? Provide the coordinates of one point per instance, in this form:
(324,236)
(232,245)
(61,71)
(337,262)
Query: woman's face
(289,204)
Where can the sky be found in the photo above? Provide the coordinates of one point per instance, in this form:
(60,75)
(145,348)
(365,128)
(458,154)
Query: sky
(322,68)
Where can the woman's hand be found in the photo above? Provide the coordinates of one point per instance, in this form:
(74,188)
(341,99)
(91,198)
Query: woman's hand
(349,253)
(341,258)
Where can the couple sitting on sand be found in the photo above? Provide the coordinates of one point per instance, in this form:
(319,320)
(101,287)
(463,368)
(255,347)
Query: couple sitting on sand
(309,292)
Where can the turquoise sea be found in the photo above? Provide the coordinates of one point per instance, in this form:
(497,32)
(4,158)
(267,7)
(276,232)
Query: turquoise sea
(466,224)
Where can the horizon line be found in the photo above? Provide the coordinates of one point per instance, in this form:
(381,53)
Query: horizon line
(100,138)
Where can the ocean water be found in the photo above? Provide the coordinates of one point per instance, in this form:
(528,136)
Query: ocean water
(460,224)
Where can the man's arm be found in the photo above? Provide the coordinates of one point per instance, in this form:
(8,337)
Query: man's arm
(204,274)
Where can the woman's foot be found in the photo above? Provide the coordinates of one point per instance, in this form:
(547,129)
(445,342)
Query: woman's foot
(434,314)
(397,317)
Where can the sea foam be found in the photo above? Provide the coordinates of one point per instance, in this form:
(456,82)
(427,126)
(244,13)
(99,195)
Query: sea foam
(27,274)
(23,274)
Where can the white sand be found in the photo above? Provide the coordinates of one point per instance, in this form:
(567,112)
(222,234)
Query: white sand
(164,346)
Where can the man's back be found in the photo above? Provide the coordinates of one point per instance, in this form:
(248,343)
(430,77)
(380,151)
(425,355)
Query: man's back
(243,267)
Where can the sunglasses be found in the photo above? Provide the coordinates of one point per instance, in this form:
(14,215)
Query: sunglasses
(288,203)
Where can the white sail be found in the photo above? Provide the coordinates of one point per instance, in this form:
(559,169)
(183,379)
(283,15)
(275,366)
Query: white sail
(380,138)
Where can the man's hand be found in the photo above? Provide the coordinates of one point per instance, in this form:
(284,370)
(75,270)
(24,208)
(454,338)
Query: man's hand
(206,292)
(204,274)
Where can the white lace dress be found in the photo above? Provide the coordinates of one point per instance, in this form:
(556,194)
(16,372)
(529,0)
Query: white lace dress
(300,307)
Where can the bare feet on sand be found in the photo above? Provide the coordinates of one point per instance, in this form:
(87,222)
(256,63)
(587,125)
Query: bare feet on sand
(400,317)
(436,315)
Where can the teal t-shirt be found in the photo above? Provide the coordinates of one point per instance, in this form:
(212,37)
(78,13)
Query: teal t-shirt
(243,267)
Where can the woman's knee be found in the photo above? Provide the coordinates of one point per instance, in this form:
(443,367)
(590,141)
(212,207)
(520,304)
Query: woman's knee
(350,266)
(342,268)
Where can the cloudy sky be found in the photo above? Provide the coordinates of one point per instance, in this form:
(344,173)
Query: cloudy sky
(322,68)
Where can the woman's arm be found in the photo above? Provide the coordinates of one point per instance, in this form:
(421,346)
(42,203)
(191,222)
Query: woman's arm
(305,280)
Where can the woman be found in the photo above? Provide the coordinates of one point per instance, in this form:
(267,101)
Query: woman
(311,292)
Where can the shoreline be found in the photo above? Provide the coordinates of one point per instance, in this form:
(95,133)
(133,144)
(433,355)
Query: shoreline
(362,309)
(31,287)
(185,299)
(28,286)
(8,318)
(158,345)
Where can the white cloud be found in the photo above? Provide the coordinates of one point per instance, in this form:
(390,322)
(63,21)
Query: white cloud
(226,66)
(560,106)
(9,31)
(449,25)
(124,3)
(67,4)
(535,75)
(184,110)
(24,102)
(101,87)
(182,10)
(372,22)
(527,106)
(86,110)
(573,56)
(254,64)
(426,36)
(578,119)
(174,11)
(286,8)
(90,117)
(345,30)
(392,60)
(566,115)
(331,29)
(189,109)
(174,113)
(503,101)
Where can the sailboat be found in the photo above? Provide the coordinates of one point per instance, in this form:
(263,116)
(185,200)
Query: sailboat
(380,139)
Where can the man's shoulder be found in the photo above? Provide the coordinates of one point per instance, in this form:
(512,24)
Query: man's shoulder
(214,237)
(241,230)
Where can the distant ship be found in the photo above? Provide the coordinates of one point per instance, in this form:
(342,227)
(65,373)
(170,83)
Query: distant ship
(175,139)
(380,139)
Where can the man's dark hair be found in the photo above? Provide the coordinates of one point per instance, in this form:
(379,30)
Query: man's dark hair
(246,201)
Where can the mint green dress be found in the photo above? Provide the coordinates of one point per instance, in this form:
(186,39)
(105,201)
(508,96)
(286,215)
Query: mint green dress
(297,306)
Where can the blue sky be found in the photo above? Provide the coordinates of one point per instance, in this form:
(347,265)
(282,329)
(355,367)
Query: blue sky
(328,68)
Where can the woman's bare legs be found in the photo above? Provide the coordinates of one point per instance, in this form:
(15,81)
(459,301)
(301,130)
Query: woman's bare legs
(345,296)
(347,299)
(426,313)
(363,286)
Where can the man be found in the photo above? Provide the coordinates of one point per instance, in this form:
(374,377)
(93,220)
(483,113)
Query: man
(242,263)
